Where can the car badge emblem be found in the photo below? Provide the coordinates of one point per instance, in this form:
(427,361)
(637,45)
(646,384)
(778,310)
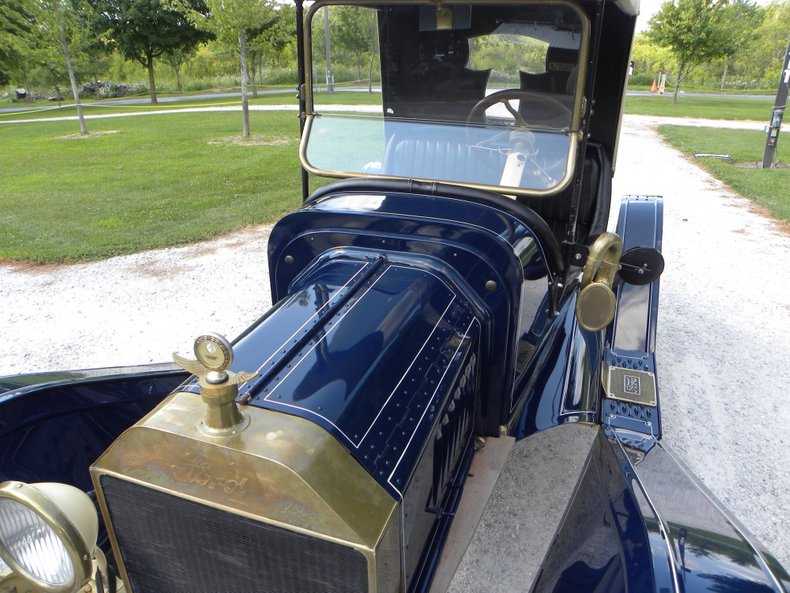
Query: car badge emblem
(631,385)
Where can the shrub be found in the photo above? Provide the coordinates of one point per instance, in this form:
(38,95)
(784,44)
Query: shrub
(642,80)
(280,75)
(107,90)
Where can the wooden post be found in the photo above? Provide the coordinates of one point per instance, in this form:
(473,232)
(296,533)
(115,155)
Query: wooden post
(778,112)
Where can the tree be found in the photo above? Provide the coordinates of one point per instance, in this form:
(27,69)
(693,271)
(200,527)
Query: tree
(762,58)
(353,31)
(271,40)
(176,58)
(741,21)
(16,25)
(233,21)
(281,34)
(255,45)
(694,31)
(143,30)
(57,23)
(64,21)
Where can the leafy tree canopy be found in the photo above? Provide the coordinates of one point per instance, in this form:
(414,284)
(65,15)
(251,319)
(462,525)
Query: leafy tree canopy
(143,30)
(697,31)
(691,29)
(16,24)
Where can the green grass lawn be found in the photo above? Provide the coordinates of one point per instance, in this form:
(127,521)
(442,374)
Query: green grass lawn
(103,108)
(177,178)
(704,107)
(155,181)
(766,187)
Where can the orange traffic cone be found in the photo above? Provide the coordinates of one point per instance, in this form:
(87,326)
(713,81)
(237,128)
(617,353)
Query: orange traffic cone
(653,88)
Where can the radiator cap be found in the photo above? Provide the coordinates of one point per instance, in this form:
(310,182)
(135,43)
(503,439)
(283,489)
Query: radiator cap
(219,387)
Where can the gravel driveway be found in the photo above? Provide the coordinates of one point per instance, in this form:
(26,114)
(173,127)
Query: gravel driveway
(723,337)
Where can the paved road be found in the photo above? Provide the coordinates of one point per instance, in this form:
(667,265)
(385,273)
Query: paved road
(682,94)
(636,119)
(146,100)
(207,96)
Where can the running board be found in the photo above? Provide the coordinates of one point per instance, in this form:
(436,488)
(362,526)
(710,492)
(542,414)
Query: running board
(628,373)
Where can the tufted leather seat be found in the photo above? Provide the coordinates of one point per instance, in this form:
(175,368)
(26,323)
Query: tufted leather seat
(446,159)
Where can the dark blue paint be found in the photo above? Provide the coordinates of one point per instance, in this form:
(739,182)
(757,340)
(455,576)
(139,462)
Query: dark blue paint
(601,544)
(562,383)
(53,432)
(641,523)
(640,224)
(703,547)
(481,243)
(369,348)
(632,335)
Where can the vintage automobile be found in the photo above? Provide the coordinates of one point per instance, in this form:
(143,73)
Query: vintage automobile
(451,311)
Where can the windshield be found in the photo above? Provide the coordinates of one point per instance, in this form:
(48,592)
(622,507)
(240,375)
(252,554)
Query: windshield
(482,95)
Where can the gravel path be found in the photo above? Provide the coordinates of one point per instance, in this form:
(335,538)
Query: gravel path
(723,337)
(723,343)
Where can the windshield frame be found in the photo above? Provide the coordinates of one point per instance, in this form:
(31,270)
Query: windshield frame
(574,132)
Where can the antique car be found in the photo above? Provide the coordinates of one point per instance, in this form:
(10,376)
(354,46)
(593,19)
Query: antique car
(456,343)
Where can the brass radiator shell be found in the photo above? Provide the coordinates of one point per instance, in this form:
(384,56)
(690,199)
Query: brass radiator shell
(281,470)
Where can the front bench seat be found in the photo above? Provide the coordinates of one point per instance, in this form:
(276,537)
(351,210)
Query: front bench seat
(447,160)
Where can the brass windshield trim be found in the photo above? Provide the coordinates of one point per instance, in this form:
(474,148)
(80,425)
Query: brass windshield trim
(574,133)
(510,191)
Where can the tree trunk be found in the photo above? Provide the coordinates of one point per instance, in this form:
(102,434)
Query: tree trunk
(677,83)
(64,45)
(330,77)
(149,64)
(359,65)
(178,78)
(724,76)
(373,46)
(253,59)
(245,108)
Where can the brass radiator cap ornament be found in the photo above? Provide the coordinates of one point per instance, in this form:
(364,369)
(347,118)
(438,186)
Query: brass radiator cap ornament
(219,387)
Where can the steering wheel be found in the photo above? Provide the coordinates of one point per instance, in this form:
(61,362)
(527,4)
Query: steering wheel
(554,107)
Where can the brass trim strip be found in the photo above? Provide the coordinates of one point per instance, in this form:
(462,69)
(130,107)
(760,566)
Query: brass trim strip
(514,191)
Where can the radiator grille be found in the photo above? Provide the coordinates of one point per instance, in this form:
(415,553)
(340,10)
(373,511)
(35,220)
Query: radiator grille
(172,545)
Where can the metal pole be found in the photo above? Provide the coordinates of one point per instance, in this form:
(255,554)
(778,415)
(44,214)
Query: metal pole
(778,112)
(302,84)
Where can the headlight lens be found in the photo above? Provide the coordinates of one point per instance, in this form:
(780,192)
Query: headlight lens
(47,535)
(34,545)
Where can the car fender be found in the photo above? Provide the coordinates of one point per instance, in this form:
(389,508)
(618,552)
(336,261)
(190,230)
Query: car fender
(54,425)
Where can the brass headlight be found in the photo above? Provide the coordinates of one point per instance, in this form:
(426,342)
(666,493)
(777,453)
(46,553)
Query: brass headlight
(47,535)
